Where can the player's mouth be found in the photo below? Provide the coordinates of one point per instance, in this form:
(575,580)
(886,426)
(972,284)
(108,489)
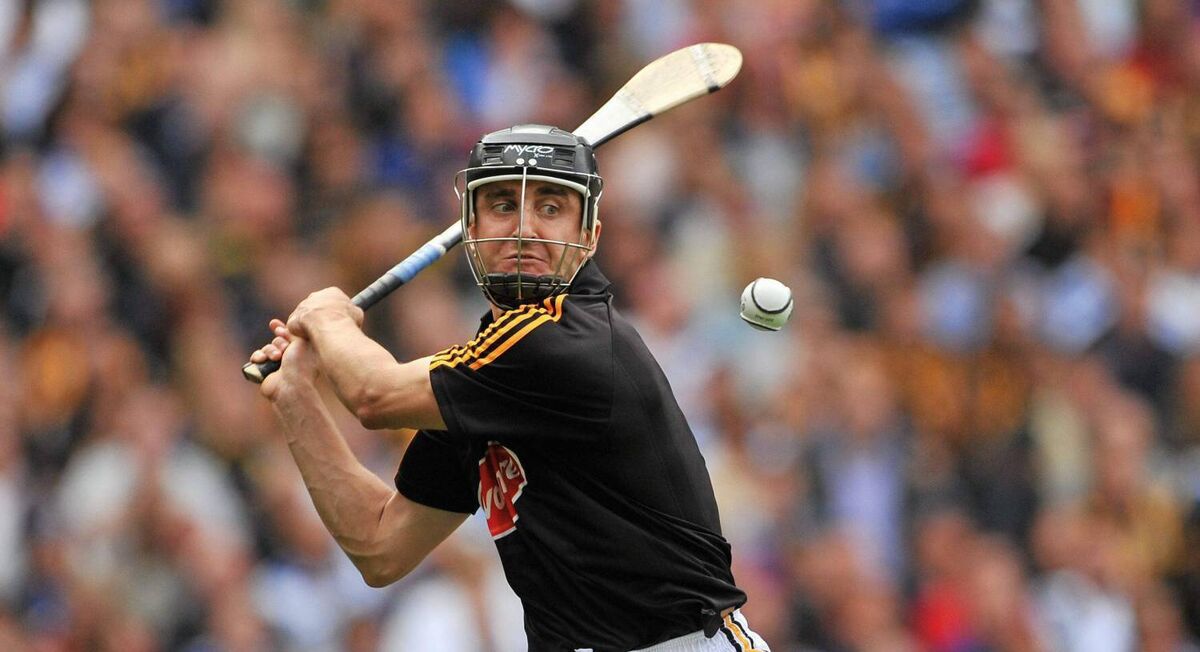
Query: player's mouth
(527,264)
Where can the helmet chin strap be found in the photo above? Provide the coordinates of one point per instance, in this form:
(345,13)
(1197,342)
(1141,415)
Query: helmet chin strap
(510,290)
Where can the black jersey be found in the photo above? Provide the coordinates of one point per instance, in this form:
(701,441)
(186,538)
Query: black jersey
(563,428)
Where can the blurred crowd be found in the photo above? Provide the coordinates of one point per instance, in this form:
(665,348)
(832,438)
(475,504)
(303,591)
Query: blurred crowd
(980,432)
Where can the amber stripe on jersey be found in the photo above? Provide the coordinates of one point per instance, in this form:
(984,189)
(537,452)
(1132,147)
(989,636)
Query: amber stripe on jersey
(489,335)
(492,334)
(504,325)
(501,335)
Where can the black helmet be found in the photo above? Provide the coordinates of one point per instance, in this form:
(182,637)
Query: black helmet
(529,153)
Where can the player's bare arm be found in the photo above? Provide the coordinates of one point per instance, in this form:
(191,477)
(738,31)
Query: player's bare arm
(384,534)
(380,391)
(663,84)
(577,422)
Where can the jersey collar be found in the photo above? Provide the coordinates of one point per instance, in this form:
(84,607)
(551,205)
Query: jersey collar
(589,282)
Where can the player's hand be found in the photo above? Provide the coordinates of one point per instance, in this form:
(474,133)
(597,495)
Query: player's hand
(274,350)
(327,304)
(298,364)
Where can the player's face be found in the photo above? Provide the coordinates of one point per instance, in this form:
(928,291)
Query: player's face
(552,212)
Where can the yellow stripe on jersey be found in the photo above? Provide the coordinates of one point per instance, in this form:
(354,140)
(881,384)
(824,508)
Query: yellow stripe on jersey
(498,329)
(489,334)
(458,354)
(525,315)
(510,341)
(504,338)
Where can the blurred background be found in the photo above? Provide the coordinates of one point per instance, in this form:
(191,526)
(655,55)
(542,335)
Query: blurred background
(980,431)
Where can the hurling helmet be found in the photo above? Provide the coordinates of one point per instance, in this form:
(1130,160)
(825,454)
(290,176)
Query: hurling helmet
(528,153)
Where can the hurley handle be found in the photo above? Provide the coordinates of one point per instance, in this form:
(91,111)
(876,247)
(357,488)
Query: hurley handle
(402,273)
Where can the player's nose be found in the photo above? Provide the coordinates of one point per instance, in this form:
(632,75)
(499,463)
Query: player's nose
(527,226)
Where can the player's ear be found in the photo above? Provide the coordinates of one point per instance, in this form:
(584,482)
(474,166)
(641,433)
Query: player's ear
(596,237)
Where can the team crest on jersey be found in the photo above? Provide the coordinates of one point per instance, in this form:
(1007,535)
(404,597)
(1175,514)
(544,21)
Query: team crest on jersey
(501,479)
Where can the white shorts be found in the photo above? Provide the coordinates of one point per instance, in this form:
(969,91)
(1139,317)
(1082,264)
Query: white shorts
(735,635)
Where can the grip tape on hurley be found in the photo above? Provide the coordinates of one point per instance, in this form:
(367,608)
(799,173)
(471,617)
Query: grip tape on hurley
(401,273)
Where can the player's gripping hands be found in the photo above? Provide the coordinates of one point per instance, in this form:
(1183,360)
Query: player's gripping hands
(298,367)
(328,307)
(290,347)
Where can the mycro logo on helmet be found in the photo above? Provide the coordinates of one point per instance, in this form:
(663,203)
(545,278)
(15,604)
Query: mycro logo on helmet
(529,149)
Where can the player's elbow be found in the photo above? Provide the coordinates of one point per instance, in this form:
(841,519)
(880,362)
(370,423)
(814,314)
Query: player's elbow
(371,418)
(397,397)
(378,580)
(379,572)
(370,407)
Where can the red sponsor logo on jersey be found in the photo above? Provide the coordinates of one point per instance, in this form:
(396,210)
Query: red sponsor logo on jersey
(501,479)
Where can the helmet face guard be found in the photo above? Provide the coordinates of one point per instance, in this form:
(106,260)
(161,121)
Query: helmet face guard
(523,154)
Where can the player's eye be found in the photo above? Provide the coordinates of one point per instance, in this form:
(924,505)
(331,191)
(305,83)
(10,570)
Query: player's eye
(503,207)
(550,210)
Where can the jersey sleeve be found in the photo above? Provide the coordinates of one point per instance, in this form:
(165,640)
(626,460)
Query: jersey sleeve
(437,471)
(536,371)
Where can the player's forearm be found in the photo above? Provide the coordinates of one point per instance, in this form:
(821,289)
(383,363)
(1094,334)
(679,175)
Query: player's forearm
(380,391)
(349,359)
(349,498)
